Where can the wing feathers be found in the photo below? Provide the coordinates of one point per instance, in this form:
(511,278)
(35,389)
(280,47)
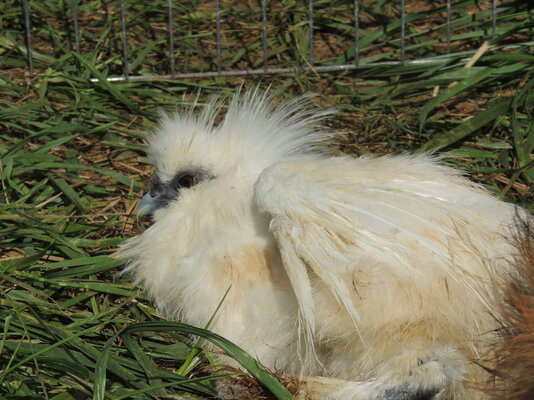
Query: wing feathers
(330,216)
(298,276)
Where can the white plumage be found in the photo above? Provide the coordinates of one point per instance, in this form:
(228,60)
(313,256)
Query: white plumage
(377,271)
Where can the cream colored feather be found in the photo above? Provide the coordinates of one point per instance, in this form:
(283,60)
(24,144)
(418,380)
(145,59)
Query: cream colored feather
(376,275)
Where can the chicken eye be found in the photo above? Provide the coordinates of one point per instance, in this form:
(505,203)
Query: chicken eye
(185,180)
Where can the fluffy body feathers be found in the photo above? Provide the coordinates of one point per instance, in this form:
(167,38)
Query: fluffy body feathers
(515,349)
(377,271)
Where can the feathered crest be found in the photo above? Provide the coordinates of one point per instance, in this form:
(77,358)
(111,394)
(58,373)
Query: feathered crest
(255,132)
(290,126)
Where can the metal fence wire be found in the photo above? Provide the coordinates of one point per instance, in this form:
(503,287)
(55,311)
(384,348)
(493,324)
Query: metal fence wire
(322,35)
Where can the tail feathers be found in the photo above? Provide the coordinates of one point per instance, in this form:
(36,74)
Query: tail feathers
(515,354)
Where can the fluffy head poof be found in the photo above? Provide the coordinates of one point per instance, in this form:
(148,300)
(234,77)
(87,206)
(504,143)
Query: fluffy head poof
(252,135)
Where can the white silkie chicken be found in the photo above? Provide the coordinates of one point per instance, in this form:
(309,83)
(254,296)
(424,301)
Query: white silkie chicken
(371,277)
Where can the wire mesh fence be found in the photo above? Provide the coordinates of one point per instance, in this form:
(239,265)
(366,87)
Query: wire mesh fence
(232,38)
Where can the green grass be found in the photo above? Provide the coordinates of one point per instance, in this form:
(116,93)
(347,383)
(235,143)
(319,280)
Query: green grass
(73,162)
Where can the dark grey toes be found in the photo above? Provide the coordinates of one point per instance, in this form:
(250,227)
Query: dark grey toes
(404,392)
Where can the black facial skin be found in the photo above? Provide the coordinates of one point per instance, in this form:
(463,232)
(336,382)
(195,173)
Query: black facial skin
(164,192)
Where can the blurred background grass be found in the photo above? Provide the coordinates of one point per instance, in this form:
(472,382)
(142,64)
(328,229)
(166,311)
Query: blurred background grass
(73,162)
